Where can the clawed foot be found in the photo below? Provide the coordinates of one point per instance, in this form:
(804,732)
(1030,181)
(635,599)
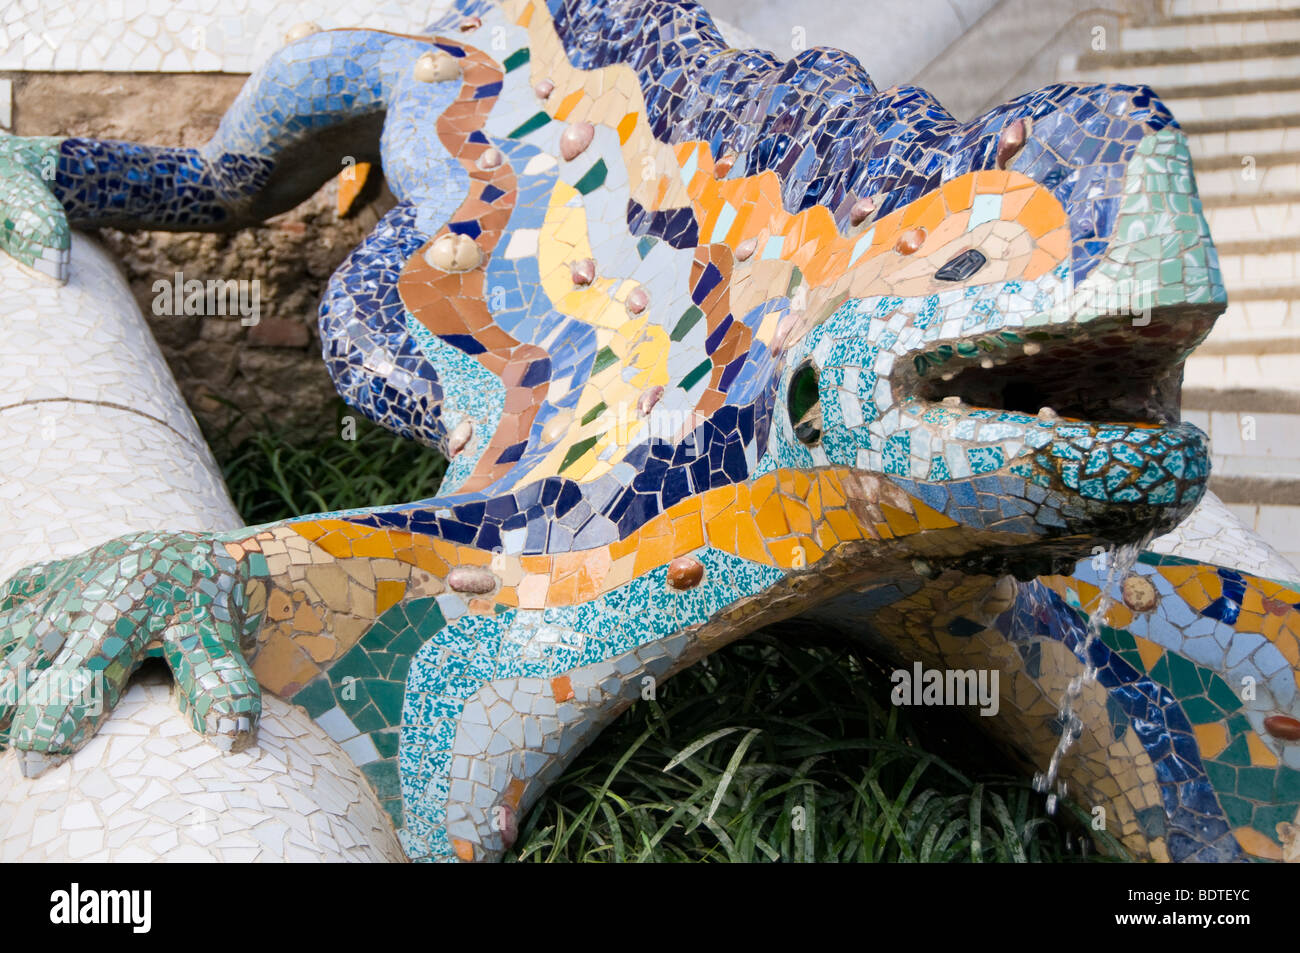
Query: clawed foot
(33,227)
(73,631)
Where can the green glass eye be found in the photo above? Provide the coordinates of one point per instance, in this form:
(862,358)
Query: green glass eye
(804,404)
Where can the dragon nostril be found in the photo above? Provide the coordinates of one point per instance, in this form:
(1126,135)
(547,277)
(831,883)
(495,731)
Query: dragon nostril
(804,404)
(961,267)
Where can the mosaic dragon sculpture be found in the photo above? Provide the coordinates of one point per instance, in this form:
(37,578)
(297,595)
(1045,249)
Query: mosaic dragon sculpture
(710,340)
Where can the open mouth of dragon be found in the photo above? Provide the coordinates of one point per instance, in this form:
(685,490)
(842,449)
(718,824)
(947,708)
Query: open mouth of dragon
(1120,370)
(1097,408)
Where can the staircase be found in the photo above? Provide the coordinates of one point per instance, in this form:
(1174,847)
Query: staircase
(1230,72)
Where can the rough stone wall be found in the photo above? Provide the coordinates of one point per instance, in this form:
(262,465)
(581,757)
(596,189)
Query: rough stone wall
(272,369)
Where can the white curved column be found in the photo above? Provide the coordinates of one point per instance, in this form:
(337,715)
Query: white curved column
(96,442)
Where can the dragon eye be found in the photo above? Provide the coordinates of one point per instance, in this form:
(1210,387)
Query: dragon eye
(962,266)
(804,404)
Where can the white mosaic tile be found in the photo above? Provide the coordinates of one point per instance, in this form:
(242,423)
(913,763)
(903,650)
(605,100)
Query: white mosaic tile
(97,442)
(96,439)
(148,788)
(198,36)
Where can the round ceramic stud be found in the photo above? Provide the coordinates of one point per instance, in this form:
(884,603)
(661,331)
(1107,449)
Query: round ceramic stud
(583,271)
(1138,593)
(649,397)
(745,250)
(459,438)
(575,139)
(472,579)
(1001,597)
(1012,141)
(454,253)
(300,31)
(861,210)
(1282,726)
(783,330)
(685,572)
(491,158)
(544,88)
(724,165)
(470,24)
(910,242)
(436,67)
(638,300)
(556,427)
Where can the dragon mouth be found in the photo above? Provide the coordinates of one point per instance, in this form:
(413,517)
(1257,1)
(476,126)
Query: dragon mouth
(1086,416)
(1116,371)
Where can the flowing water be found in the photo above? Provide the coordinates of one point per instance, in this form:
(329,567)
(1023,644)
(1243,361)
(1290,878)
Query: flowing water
(1117,562)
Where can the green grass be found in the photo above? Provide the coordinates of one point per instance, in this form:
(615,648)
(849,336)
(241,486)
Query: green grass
(782,747)
(272,476)
(778,749)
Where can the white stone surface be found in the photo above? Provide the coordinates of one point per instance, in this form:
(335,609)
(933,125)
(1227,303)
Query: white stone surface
(1209,34)
(892,39)
(1273,521)
(1161,75)
(95,438)
(1250,444)
(1182,8)
(193,36)
(234,36)
(1218,534)
(96,442)
(147,788)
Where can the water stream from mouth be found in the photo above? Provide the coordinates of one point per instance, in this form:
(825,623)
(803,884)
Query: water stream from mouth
(1118,562)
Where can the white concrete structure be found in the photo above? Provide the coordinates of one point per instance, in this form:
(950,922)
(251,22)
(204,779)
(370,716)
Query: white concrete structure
(148,788)
(235,36)
(95,438)
(96,442)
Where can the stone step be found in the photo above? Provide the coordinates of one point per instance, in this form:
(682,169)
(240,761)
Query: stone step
(1194,32)
(1269,323)
(1266,325)
(1253,222)
(1183,8)
(1273,371)
(1225,14)
(1251,439)
(1249,198)
(1215,138)
(1203,54)
(1254,458)
(1266,262)
(1165,69)
(1247,179)
(1255,99)
(1235,124)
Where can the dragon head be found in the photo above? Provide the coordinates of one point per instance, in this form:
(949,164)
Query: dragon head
(1008,345)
